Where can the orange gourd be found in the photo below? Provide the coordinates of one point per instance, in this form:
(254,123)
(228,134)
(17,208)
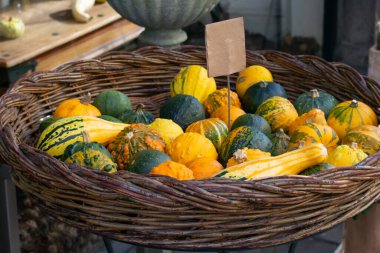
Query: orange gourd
(204,167)
(173,169)
(220,98)
(313,116)
(76,107)
(222,113)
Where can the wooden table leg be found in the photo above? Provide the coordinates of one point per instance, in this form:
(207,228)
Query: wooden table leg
(9,231)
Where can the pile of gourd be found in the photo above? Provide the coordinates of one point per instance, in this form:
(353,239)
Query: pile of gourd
(269,135)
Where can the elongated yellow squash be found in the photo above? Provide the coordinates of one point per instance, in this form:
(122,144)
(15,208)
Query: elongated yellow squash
(60,134)
(290,163)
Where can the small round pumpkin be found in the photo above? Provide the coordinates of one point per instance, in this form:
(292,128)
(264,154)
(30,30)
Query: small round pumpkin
(219,98)
(193,80)
(250,76)
(76,107)
(349,115)
(313,116)
(183,110)
(137,116)
(222,113)
(258,93)
(204,167)
(279,112)
(246,154)
(173,169)
(112,103)
(345,155)
(189,146)
(213,129)
(167,128)
(252,120)
(315,99)
(366,136)
(311,133)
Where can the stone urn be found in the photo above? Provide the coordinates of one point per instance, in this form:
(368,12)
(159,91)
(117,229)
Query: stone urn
(163,19)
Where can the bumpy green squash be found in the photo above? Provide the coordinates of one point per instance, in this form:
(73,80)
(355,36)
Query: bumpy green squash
(146,160)
(367,137)
(183,110)
(137,116)
(315,99)
(280,141)
(133,139)
(193,80)
(112,103)
(258,93)
(90,154)
(213,129)
(254,121)
(243,137)
(279,112)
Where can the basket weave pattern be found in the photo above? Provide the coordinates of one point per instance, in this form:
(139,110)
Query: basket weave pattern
(163,212)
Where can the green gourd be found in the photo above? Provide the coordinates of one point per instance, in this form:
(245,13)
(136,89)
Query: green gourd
(137,116)
(112,103)
(315,99)
(183,110)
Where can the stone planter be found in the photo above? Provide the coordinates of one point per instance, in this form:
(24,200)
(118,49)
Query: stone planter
(163,19)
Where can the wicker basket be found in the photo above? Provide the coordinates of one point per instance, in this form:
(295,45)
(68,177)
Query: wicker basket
(162,212)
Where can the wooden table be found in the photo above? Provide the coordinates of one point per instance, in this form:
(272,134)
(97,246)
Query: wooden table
(52,37)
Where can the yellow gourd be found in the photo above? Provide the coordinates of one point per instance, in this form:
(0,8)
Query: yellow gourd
(250,76)
(193,80)
(366,136)
(189,146)
(167,128)
(349,115)
(219,98)
(290,163)
(345,155)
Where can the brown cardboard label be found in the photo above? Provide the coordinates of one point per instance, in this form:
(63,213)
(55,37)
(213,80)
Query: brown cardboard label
(225,46)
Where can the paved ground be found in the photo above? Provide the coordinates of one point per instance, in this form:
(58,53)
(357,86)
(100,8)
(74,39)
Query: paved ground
(325,242)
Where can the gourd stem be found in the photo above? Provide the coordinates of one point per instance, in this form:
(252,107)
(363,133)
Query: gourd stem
(354,145)
(86,137)
(301,144)
(314,93)
(87,98)
(354,103)
(263,84)
(140,107)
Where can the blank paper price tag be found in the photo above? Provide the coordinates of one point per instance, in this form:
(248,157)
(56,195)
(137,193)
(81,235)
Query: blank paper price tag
(225,46)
